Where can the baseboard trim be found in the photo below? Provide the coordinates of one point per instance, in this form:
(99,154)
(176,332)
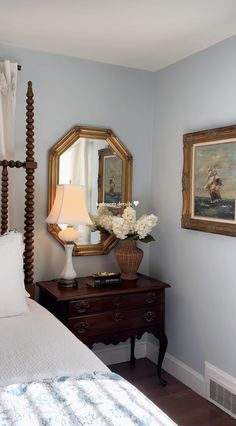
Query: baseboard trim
(178,369)
(116,354)
(185,374)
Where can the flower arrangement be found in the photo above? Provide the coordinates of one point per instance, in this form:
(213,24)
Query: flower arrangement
(125,226)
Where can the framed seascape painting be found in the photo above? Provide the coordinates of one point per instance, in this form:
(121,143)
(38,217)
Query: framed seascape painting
(209,181)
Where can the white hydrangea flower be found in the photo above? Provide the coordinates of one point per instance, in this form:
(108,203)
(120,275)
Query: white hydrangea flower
(125,225)
(120,227)
(103,219)
(106,222)
(145,224)
(129,215)
(152,220)
(103,210)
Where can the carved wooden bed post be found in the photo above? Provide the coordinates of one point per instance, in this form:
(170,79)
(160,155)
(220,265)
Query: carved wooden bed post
(29,165)
(4,197)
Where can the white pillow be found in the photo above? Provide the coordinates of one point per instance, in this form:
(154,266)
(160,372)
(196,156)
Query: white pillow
(12,289)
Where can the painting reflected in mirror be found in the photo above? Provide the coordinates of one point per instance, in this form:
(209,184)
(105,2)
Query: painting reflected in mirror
(109,178)
(97,160)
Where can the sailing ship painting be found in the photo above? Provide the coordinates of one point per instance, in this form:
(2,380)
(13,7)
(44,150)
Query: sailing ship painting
(214,186)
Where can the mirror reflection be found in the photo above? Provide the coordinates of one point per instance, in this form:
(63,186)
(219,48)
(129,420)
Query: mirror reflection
(97,160)
(79,165)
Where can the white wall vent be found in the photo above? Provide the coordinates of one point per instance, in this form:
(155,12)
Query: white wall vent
(220,389)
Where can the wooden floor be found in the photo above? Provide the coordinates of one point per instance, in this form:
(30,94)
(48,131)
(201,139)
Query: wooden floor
(179,402)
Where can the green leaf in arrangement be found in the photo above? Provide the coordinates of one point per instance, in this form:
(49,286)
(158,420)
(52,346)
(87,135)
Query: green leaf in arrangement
(147,239)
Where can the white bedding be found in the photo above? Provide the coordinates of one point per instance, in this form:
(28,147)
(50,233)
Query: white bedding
(36,346)
(48,376)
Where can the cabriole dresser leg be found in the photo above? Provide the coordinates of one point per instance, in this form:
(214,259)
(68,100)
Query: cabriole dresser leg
(132,346)
(162,350)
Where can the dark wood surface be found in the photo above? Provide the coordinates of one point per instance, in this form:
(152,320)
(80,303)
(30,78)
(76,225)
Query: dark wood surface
(83,290)
(110,315)
(180,403)
(30,167)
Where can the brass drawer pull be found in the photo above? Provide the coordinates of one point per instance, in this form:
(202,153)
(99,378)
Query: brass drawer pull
(82,327)
(149,316)
(150,297)
(82,306)
(118,316)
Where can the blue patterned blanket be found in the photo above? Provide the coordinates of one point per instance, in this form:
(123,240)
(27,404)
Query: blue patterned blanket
(98,399)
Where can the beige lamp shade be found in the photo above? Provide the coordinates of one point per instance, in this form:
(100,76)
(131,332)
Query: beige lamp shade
(69,206)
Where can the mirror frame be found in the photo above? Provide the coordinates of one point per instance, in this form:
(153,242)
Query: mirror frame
(107,241)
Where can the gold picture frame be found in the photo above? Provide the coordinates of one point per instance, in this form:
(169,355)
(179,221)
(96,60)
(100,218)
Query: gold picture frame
(107,241)
(209,181)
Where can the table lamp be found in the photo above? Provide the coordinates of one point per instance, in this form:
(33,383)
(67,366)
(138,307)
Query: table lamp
(69,208)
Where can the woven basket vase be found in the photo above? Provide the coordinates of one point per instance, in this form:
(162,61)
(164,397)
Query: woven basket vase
(128,257)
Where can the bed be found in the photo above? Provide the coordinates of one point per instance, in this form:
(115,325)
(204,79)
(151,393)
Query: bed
(47,376)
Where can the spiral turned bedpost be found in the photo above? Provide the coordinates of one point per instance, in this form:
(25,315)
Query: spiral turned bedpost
(30,167)
(4,197)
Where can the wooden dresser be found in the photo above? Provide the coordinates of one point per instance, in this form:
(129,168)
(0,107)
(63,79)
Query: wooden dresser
(110,315)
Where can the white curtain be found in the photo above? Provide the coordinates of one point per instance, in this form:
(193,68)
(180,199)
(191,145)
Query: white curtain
(8,81)
(82,167)
(76,168)
(82,170)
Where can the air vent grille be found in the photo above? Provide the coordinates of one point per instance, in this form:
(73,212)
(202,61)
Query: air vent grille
(221,389)
(223,397)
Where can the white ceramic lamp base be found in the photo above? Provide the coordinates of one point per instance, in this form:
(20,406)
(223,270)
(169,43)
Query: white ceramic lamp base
(68,274)
(69,207)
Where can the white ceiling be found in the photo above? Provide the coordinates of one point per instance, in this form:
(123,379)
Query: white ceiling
(143,34)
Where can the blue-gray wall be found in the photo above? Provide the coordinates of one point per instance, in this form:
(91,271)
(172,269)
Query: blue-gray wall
(71,91)
(196,93)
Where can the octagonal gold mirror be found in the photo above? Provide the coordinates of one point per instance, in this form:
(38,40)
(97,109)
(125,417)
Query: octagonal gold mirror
(96,159)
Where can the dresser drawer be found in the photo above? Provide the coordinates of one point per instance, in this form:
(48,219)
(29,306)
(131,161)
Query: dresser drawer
(109,303)
(90,325)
